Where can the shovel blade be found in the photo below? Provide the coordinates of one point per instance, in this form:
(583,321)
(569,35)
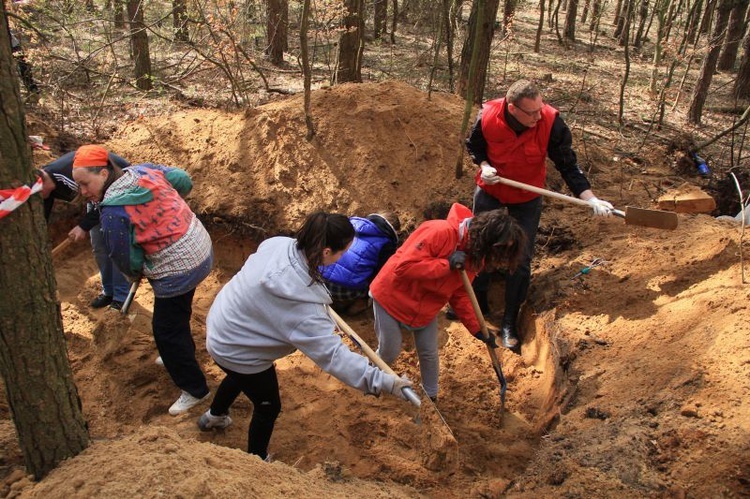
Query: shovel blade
(657,219)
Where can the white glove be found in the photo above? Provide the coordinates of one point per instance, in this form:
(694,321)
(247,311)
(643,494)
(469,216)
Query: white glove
(601,208)
(489,175)
(398,386)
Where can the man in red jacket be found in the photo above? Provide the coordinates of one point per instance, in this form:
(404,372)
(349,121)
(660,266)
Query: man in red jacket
(511,138)
(417,282)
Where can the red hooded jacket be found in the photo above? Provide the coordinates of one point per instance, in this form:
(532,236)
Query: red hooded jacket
(417,281)
(518,157)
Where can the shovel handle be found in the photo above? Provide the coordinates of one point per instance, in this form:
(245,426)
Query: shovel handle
(61,247)
(129,299)
(483,325)
(410,394)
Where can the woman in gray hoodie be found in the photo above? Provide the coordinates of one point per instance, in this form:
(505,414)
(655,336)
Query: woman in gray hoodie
(275,305)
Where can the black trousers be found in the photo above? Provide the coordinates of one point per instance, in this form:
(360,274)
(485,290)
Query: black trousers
(263,391)
(516,284)
(174,340)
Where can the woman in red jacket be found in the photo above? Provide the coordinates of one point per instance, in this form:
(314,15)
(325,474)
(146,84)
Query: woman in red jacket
(417,282)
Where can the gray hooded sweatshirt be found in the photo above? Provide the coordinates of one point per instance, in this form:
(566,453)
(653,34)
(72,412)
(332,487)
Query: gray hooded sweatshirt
(269,310)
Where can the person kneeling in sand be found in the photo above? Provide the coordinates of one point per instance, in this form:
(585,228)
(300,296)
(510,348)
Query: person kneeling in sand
(348,280)
(276,304)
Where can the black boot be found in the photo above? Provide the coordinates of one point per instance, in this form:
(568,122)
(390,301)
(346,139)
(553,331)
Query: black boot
(509,334)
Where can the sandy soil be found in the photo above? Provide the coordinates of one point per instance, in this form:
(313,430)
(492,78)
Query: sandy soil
(633,380)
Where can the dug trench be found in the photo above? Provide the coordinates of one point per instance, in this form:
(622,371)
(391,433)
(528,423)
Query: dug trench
(633,380)
(323,420)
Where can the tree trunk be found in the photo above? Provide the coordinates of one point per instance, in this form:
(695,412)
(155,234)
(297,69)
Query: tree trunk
(585,13)
(742,83)
(394,22)
(596,14)
(276,30)
(139,45)
(306,68)
(450,30)
(627,19)
(705,25)
(695,15)
(351,44)
(735,29)
(539,28)
(700,92)
(569,31)
(509,11)
(118,14)
(379,18)
(179,11)
(39,386)
(643,17)
(486,32)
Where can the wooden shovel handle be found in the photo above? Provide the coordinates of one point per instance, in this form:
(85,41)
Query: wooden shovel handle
(61,247)
(551,194)
(483,325)
(370,354)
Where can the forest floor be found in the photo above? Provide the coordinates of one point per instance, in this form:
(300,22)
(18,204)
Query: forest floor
(633,380)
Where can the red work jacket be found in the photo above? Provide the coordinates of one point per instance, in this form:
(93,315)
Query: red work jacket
(417,281)
(517,157)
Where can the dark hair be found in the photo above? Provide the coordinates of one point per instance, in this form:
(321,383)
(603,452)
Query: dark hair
(323,230)
(522,89)
(496,239)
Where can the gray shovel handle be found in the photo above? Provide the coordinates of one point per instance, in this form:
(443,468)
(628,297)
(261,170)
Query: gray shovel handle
(129,299)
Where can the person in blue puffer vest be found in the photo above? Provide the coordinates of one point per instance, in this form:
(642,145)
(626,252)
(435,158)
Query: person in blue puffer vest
(348,280)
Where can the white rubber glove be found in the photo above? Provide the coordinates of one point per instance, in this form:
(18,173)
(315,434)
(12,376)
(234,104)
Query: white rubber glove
(398,386)
(601,208)
(489,175)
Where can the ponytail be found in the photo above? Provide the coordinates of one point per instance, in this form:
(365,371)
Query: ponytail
(323,230)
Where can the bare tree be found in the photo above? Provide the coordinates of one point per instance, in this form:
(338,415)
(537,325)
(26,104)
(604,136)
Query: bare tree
(735,29)
(351,44)
(41,394)
(539,27)
(509,11)
(306,68)
(569,31)
(276,30)
(742,83)
(379,18)
(179,11)
(484,24)
(693,23)
(139,45)
(700,92)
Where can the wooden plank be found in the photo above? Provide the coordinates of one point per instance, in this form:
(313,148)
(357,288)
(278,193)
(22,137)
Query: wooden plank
(695,201)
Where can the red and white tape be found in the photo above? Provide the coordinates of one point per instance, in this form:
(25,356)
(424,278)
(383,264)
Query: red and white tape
(10,199)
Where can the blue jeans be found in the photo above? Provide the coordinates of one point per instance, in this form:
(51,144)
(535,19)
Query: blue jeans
(114,283)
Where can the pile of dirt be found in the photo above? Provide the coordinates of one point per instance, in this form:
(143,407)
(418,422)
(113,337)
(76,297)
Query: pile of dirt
(633,379)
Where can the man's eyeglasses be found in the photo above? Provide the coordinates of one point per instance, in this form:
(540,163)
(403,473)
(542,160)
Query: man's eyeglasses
(528,113)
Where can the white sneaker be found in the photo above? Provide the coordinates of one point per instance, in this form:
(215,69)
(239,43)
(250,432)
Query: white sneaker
(185,402)
(158,361)
(208,421)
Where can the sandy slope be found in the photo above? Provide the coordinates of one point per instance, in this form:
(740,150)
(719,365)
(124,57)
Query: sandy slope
(633,379)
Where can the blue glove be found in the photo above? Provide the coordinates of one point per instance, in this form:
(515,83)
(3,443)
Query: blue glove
(457,260)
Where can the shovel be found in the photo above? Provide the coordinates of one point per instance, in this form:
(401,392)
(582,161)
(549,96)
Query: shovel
(657,219)
(61,247)
(410,394)
(483,325)
(440,448)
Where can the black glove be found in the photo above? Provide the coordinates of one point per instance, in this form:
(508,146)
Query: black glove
(457,260)
(490,340)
